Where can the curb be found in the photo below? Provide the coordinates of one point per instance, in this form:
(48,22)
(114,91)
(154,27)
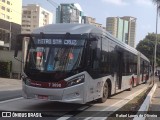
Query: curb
(145,106)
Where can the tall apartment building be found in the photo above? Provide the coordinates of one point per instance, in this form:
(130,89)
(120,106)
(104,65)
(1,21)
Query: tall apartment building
(132,29)
(10,22)
(90,20)
(122,28)
(34,16)
(69,13)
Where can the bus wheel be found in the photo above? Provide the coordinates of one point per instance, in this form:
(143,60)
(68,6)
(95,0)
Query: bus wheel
(105,93)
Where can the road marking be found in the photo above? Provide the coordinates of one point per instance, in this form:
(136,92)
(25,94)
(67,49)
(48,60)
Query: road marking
(111,108)
(83,108)
(65,117)
(10,100)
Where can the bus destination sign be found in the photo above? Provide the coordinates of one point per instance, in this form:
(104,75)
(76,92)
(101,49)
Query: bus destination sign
(55,42)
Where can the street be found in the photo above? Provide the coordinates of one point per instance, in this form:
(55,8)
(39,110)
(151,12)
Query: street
(12,101)
(6,95)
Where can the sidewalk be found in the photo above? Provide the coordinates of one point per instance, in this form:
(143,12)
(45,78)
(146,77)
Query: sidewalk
(10,84)
(155,102)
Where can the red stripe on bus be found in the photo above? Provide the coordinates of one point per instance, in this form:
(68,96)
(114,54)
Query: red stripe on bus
(60,84)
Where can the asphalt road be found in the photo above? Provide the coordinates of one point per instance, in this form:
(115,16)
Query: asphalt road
(12,100)
(6,95)
(63,111)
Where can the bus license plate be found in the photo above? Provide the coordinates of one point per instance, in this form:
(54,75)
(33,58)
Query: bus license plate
(45,97)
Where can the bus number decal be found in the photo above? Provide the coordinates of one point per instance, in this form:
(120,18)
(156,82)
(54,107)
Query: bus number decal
(70,42)
(57,85)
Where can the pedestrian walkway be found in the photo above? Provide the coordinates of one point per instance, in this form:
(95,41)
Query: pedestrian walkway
(10,84)
(155,102)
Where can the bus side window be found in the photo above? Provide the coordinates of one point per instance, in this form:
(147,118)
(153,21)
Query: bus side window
(95,55)
(94,58)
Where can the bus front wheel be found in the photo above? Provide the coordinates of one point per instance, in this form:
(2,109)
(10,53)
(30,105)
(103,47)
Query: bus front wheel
(105,93)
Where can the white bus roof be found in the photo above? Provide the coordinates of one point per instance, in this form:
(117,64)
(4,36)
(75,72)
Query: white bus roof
(62,28)
(74,28)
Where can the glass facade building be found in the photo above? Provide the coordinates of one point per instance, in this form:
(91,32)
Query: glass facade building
(123,28)
(69,13)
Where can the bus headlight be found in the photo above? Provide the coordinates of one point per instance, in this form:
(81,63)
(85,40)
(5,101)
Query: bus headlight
(75,81)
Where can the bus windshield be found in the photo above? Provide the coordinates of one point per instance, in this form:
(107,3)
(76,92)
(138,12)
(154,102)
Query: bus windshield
(54,58)
(49,57)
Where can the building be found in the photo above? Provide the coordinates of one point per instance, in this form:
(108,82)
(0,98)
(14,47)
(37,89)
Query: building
(34,16)
(69,13)
(10,22)
(132,29)
(122,28)
(111,25)
(118,28)
(92,21)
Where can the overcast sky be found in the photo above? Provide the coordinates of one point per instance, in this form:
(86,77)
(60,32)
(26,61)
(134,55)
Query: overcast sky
(143,10)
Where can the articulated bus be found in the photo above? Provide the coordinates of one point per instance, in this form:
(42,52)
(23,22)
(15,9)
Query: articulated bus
(78,63)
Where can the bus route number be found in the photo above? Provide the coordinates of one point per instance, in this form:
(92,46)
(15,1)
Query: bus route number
(70,42)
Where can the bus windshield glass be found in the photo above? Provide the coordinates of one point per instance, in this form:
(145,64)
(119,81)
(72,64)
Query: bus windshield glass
(51,55)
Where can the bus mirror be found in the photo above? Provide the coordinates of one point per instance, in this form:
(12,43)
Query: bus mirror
(18,47)
(93,39)
(93,45)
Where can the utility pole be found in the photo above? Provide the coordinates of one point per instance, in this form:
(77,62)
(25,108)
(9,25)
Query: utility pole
(155,48)
(10,35)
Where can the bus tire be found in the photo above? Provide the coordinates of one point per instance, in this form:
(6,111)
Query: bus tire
(105,93)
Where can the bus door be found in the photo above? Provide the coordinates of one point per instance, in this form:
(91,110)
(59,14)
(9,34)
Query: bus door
(119,70)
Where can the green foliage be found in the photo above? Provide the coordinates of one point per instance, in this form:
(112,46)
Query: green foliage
(147,46)
(5,69)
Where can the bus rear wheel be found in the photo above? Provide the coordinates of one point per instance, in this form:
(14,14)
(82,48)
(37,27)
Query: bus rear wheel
(105,93)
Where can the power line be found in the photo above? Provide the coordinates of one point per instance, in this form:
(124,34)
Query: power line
(53,3)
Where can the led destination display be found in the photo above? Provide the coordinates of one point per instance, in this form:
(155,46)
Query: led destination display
(58,42)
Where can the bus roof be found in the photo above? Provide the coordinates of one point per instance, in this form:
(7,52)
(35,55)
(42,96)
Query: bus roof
(74,28)
(144,57)
(63,28)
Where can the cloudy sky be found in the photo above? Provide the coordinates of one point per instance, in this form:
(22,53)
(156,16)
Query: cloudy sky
(143,10)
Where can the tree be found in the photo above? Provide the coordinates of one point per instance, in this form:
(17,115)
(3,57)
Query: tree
(146,47)
(157,2)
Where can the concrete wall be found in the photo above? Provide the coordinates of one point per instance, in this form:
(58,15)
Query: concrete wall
(9,56)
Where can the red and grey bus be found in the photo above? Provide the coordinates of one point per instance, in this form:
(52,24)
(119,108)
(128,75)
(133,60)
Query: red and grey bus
(78,63)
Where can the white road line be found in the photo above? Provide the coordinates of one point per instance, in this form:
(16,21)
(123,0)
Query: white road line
(10,100)
(127,98)
(65,117)
(111,108)
(83,108)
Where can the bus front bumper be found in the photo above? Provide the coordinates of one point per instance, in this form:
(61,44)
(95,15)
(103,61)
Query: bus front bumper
(74,94)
